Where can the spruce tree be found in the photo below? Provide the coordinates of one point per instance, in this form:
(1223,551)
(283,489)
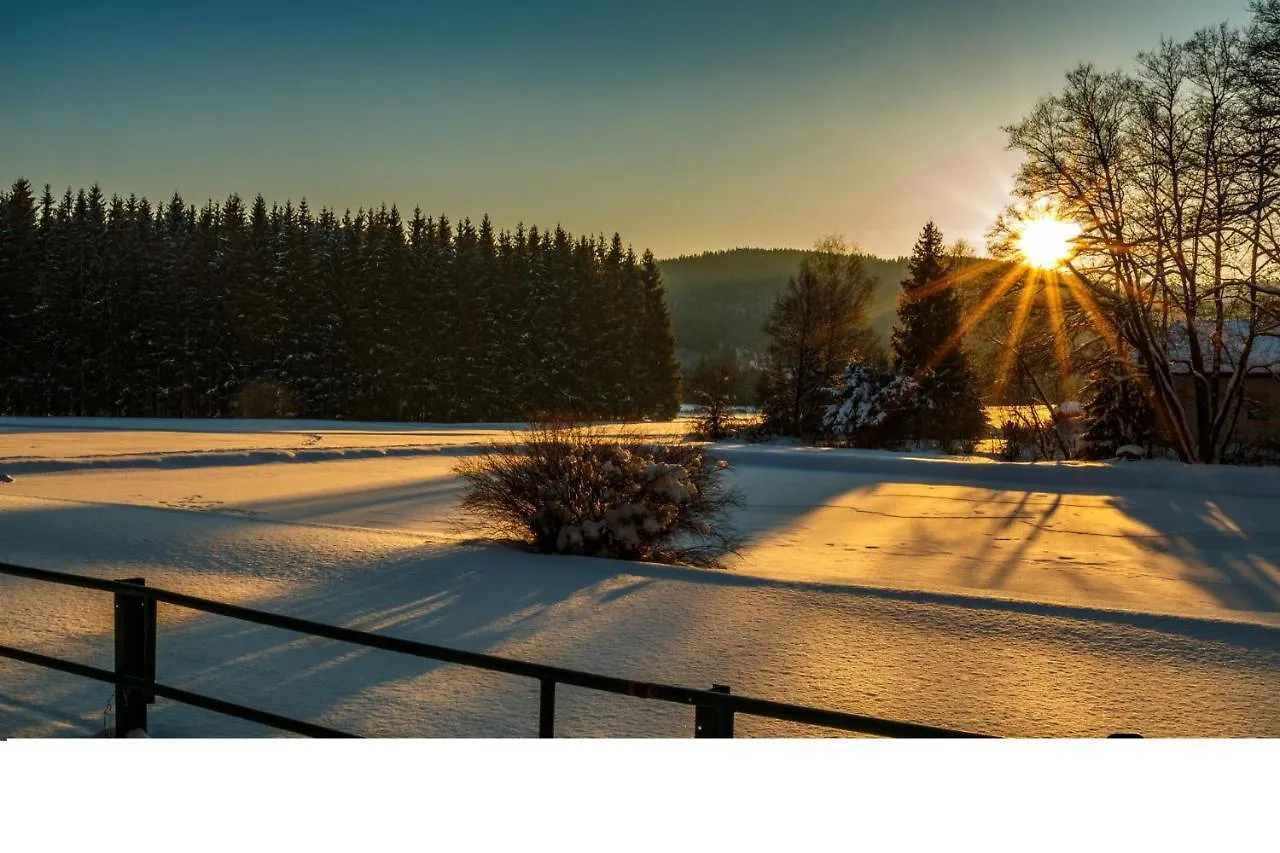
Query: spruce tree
(944,406)
(19,267)
(169,327)
(659,371)
(1118,412)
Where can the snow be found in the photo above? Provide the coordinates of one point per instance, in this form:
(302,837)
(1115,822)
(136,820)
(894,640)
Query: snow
(99,442)
(1070,409)
(930,466)
(1020,599)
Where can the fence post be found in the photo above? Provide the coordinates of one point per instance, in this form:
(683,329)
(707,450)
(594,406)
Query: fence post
(547,708)
(710,721)
(149,672)
(135,630)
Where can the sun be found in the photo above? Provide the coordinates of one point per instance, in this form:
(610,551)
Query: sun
(1045,242)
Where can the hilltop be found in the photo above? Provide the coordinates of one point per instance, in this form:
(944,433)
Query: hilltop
(719,300)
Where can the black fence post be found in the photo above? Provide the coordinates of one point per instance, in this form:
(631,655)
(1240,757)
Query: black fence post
(710,721)
(547,708)
(135,657)
(149,670)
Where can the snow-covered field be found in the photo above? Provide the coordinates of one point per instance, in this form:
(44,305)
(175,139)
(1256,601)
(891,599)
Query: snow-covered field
(1015,599)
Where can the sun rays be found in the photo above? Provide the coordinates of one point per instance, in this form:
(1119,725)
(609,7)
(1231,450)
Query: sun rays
(1038,247)
(1023,313)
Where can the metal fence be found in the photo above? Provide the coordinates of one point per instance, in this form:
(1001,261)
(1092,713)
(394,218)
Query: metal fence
(134,675)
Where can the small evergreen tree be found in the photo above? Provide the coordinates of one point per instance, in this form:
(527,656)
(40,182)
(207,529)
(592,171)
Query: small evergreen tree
(711,384)
(945,406)
(865,402)
(1119,412)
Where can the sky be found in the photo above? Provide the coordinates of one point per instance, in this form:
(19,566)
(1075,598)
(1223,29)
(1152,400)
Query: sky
(684,126)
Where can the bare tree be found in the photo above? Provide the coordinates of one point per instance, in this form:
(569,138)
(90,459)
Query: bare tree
(817,326)
(1171,174)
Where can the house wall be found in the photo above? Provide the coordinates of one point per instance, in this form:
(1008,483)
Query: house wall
(1260,415)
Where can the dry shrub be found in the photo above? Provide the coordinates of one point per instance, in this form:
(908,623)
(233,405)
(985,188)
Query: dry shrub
(569,489)
(1026,435)
(715,419)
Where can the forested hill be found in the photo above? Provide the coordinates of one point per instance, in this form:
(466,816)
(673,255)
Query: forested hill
(721,299)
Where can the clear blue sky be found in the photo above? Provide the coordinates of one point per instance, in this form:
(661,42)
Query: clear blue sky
(683,125)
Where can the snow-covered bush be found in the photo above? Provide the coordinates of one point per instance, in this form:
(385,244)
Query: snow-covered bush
(867,399)
(575,490)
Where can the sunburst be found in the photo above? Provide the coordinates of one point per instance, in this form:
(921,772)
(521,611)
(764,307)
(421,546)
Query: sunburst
(1043,244)
(1046,242)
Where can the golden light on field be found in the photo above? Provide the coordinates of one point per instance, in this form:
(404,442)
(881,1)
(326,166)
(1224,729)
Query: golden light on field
(1046,242)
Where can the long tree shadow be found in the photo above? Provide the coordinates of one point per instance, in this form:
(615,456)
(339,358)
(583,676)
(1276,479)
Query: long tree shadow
(1229,545)
(1220,544)
(438,598)
(424,593)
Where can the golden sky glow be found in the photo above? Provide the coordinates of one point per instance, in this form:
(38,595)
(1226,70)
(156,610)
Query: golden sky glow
(713,125)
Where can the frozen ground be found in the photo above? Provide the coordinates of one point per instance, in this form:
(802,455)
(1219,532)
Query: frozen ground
(46,444)
(1015,599)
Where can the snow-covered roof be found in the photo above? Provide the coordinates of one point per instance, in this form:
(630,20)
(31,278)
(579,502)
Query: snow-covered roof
(1264,357)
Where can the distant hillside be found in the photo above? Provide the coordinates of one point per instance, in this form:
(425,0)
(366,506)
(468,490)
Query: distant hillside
(721,299)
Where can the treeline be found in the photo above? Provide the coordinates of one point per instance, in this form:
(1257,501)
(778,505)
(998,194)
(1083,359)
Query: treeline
(112,307)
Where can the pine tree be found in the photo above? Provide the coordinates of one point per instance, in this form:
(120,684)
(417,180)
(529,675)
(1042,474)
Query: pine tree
(56,321)
(659,371)
(325,357)
(19,268)
(1118,412)
(444,392)
(254,313)
(169,327)
(945,406)
(35,336)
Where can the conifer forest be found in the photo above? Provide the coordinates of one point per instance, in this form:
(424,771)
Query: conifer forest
(115,307)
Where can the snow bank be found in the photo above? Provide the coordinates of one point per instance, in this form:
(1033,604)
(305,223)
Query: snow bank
(1055,476)
(217,459)
(249,425)
(1023,614)
(299,425)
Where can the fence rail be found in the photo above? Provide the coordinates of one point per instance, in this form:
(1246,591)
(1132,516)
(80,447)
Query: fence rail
(136,685)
